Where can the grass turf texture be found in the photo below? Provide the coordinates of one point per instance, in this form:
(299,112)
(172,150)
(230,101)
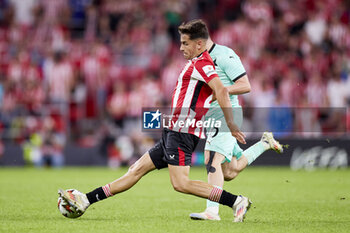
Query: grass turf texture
(283,201)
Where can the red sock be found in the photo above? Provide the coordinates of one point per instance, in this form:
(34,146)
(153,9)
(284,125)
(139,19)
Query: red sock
(215,194)
(107,190)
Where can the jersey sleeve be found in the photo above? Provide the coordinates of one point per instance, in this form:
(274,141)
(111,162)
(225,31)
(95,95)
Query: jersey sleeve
(231,64)
(206,70)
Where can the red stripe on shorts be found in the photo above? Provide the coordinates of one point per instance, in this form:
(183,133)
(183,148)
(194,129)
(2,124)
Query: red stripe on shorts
(181,157)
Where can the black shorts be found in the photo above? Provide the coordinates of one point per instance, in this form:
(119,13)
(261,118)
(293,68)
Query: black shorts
(174,148)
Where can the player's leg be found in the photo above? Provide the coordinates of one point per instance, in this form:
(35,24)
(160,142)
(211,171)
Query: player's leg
(178,149)
(179,176)
(231,169)
(238,163)
(242,159)
(82,201)
(213,162)
(215,177)
(136,171)
(266,142)
(222,143)
(215,153)
(148,162)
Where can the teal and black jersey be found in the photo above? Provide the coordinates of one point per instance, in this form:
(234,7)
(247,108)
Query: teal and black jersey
(228,66)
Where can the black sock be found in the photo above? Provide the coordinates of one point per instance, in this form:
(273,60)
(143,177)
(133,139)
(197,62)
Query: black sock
(227,198)
(96,195)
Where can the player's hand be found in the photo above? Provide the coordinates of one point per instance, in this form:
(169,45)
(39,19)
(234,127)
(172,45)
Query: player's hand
(236,132)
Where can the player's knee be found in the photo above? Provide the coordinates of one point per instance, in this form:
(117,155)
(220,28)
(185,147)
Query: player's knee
(230,175)
(180,186)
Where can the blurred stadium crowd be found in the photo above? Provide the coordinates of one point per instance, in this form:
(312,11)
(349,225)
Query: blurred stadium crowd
(81,70)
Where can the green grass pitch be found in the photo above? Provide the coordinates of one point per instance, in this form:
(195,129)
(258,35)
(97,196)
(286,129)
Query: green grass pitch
(283,201)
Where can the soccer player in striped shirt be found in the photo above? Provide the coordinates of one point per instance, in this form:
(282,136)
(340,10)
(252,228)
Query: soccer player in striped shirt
(192,94)
(223,156)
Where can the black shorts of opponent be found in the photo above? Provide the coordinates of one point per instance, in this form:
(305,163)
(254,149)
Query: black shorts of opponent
(173,148)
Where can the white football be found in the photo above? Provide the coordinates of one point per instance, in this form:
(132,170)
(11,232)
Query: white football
(66,209)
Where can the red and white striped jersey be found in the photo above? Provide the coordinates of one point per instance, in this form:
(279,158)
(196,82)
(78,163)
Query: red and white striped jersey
(192,95)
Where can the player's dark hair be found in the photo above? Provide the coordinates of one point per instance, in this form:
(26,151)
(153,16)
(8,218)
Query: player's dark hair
(195,29)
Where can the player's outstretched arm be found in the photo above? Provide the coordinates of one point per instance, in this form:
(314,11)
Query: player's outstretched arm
(223,99)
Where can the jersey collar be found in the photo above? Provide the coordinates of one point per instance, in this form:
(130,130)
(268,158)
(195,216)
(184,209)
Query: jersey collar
(201,54)
(212,47)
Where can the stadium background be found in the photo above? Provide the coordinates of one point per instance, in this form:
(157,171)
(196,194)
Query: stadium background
(75,74)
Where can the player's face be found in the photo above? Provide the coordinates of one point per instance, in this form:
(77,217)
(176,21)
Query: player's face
(188,47)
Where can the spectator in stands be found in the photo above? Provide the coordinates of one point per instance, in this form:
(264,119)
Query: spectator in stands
(45,45)
(59,79)
(117,104)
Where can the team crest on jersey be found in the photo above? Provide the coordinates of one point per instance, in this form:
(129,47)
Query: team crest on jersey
(152,119)
(208,70)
